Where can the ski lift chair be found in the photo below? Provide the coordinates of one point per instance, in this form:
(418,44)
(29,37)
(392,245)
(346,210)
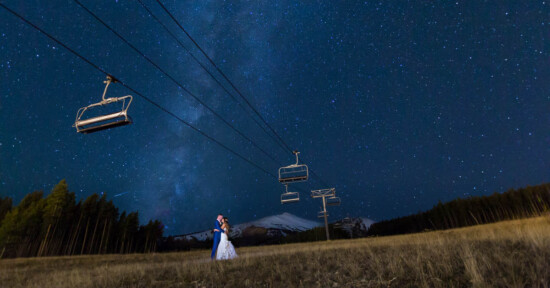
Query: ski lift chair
(333,201)
(293,173)
(289,197)
(321,214)
(107,121)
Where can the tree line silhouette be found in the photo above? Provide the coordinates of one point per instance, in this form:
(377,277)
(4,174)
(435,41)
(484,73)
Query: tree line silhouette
(57,225)
(512,204)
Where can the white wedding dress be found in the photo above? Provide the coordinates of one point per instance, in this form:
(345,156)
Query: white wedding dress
(225,248)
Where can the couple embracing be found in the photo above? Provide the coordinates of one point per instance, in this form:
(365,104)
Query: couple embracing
(222,249)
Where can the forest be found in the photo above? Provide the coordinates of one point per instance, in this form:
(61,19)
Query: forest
(58,225)
(512,204)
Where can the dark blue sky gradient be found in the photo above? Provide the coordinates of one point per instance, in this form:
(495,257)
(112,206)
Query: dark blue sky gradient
(396,104)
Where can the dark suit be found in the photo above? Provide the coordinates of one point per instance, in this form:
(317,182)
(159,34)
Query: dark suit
(217,236)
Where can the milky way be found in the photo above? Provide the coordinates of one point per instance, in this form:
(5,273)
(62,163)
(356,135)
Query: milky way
(397,105)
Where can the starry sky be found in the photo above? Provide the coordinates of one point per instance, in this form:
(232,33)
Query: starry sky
(396,104)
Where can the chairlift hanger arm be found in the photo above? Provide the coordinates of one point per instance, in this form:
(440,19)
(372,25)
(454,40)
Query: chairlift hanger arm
(110,79)
(296,154)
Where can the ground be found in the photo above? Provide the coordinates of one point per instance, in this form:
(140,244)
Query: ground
(506,254)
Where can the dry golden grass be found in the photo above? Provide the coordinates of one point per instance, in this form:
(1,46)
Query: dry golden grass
(506,254)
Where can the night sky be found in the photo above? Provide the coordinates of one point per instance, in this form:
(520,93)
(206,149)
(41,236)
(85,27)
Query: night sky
(395,104)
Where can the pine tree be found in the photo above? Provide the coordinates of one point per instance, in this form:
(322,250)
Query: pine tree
(5,207)
(109,219)
(132,228)
(57,217)
(22,225)
(121,233)
(89,213)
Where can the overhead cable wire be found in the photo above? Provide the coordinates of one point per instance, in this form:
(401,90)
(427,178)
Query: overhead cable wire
(174,80)
(136,92)
(211,75)
(224,76)
(208,71)
(286,146)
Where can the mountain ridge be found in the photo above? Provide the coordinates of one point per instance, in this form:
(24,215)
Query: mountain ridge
(277,226)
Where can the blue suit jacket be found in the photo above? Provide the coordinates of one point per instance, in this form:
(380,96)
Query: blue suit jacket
(217,236)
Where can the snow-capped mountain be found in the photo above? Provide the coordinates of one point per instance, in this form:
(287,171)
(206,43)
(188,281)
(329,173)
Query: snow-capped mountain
(271,227)
(367,222)
(282,228)
(285,222)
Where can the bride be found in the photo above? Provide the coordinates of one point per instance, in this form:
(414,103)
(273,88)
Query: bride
(225,248)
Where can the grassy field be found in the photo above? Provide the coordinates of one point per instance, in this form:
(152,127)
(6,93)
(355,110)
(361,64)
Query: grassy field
(506,254)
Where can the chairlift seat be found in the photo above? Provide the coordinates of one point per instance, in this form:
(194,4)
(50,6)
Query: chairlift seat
(333,201)
(104,122)
(104,126)
(99,119)
(321,214)
(290,197)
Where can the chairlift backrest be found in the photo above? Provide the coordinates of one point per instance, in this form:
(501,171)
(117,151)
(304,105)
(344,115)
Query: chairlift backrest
(293,173)
(333,201)
(321,214)
(106,121)
(289,197)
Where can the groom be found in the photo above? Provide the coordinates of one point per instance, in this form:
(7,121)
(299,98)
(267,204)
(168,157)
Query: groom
(217,235)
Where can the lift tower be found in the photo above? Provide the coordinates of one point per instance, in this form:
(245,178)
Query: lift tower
(330,199)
